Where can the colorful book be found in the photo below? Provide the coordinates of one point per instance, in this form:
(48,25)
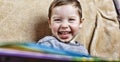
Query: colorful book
(28,52)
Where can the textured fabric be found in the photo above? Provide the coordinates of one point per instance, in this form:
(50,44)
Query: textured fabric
(52,42)
(100,32)
(26,20)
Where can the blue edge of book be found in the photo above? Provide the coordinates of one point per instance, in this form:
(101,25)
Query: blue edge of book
(43,52)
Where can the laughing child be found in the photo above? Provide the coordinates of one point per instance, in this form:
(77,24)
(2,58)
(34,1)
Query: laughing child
(65,20)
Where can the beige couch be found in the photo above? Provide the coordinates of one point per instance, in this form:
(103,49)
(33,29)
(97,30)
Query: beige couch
(26,20)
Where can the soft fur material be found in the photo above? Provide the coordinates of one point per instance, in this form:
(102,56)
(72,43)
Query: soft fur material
(26,20)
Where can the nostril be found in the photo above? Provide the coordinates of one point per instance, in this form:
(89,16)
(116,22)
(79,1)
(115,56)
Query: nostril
(63,27)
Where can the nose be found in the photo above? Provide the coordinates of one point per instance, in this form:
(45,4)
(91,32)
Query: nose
(64,25)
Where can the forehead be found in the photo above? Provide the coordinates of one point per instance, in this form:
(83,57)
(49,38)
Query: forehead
(65,9)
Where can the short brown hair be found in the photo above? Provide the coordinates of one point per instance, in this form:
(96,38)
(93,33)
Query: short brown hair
(56,3)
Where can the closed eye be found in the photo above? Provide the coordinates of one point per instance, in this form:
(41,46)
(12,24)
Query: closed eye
(57,20)
(71,20)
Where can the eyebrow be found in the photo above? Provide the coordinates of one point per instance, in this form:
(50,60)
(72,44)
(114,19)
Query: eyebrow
(56,17)
(72,17)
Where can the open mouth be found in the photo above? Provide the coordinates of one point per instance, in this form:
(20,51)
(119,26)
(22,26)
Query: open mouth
(64,34)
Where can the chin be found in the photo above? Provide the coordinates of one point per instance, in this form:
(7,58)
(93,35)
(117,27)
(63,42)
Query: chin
(65,40)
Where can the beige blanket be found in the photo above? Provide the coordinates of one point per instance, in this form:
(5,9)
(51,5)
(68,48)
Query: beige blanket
(26,20)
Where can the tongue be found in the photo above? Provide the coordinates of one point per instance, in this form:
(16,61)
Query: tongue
(64,36)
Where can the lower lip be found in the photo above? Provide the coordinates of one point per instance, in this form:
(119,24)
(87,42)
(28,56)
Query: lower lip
(64,36)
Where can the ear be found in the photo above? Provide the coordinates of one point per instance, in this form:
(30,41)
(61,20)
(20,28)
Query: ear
(49,22)
(81,22)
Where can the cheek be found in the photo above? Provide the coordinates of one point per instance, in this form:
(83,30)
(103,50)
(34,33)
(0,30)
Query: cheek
(75,29)
(54,28)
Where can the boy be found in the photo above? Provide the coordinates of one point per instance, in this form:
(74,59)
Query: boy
(65,20)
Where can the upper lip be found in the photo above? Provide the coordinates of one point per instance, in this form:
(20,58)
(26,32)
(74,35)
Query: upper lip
(63,31)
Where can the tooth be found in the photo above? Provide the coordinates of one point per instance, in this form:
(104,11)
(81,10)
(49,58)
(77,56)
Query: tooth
(64,32)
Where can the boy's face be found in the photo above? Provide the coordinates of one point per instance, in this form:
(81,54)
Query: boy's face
(65,22)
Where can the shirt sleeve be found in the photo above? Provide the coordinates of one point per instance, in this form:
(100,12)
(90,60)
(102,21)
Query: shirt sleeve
(46,41)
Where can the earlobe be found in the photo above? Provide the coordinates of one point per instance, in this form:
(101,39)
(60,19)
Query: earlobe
(81,22)
(80,26)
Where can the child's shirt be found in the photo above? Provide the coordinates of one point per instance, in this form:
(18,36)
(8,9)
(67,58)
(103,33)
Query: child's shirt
(52,42)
